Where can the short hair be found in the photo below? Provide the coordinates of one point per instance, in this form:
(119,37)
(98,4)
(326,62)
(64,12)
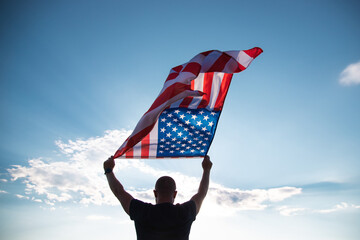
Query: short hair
(165,185)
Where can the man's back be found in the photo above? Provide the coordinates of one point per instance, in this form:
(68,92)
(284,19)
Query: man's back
(162,221)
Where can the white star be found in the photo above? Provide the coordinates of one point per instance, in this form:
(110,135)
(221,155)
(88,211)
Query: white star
(182,151)
(185,138)
(168,134)
(175,120)
(168,143)
(208,133)
(198,148)
(194,117)
(180,125)
(191,134)
(174,129)
(165,111)
(192,127)
(189,141)
(211,124)
(182,116)
(162,130)
(188,112)
(171,151)
(197,132)
(213,113)
(186,129)
(203,129)
(178,142)
(183,145)
(162,146)
(162,140)
(206,118)
(163,119)
(177,149)
(160,151)
(204,144)
(169,124)
(187,122)
(174,139)
(201,112)
(202,150)
(198,123)
(177,111)
(180,134)
(170,115)
(192,150)
(187,147)
(167,149)
(173,146)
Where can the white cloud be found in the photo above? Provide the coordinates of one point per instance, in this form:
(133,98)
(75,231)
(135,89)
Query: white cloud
(290,211)
(3,180)
(350,75)
(78,177)
(2,191)
(22,196)
(339,207)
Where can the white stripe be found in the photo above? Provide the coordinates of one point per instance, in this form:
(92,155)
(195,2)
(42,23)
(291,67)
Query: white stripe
(198,86)
(210,60)
(153,140)
(183,77)
(241,57)
(215,89)
(137,150)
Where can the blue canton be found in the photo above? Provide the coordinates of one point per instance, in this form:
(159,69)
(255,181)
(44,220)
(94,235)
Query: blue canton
(186,132)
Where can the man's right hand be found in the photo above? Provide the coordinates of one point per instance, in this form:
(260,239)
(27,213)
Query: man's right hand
(206,163)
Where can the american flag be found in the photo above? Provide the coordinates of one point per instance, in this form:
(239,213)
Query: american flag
(183,118)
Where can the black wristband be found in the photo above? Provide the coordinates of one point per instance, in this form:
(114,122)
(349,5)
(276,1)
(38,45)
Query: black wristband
(108,170)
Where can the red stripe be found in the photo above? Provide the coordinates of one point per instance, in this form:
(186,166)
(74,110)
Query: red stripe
(133,140)
(220,63)
(192,67)
(186,102)
(172,76)
(208,79)
(169,93)
(225,83)
(254,52)
(129,154)
(174,72)
(145,146)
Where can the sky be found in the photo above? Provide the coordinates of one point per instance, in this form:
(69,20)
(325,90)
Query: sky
(76,76)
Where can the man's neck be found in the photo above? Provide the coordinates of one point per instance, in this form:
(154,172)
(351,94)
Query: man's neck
(164,200)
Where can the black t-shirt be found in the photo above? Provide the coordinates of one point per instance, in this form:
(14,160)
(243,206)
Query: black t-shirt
(164,221)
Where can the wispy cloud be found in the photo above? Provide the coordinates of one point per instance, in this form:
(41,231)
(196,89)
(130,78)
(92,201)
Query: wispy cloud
(339,207)
(78,177)
(290,211)
(350,75)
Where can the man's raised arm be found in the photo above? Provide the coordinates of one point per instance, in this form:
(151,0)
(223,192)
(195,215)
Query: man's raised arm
(204,183)
(115,186)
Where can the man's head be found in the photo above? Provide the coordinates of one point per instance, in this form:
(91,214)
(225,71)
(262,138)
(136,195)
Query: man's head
(165,190)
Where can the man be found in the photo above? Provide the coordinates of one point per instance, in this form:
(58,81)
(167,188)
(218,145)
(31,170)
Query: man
(163,221)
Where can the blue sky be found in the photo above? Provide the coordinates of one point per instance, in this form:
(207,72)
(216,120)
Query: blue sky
(76,76)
